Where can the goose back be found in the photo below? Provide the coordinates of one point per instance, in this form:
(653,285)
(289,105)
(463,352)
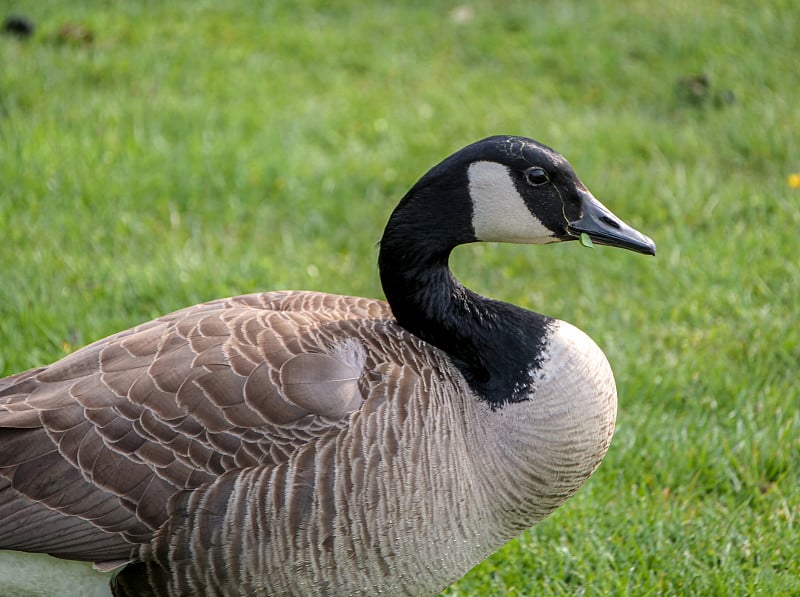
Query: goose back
(386,493)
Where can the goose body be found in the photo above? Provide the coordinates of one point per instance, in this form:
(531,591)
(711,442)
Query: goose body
(306,443)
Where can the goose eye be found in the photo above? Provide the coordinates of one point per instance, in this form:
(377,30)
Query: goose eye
(536,176)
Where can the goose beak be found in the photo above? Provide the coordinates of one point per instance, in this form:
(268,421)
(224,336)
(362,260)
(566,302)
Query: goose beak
(604,228)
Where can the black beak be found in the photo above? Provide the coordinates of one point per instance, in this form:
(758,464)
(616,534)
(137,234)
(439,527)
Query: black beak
(604,228)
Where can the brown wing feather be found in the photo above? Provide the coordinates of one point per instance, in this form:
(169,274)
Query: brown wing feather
(94,446)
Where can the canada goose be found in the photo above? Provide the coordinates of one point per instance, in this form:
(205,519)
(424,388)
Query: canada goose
(306,443)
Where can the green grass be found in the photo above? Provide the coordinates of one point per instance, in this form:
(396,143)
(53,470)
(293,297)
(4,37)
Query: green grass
(194,150)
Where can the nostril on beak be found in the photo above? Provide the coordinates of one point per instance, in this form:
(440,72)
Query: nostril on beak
(610,222)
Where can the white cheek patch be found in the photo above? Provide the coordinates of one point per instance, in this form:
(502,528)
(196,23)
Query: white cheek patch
(498,211)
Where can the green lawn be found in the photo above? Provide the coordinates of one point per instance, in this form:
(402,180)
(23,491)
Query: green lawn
(154,155)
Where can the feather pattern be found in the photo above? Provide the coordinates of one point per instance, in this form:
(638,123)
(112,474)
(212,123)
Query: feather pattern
(114,417)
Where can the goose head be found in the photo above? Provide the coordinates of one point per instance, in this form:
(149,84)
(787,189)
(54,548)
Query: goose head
(507,189)
(524,192)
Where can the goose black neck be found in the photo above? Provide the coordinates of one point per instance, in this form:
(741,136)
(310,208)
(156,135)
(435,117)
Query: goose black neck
(496,346)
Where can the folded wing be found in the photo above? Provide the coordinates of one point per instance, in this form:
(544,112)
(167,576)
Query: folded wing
(93,447)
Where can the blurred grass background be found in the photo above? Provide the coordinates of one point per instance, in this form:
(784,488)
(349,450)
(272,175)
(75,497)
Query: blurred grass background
(155,155)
